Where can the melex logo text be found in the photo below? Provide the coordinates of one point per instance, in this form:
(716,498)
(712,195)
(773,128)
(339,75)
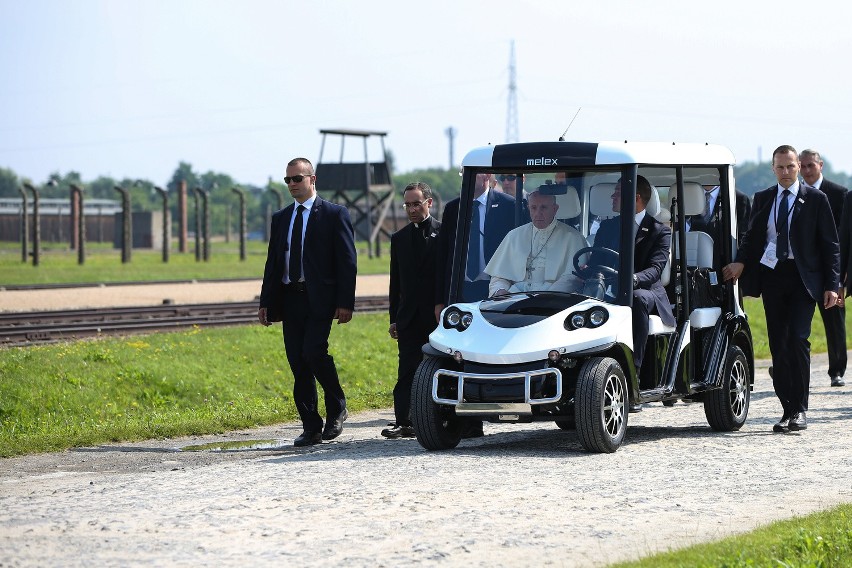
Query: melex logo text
(542,162)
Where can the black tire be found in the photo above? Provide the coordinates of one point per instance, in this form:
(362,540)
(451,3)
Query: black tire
(601,403)
(435,425)
(727,408)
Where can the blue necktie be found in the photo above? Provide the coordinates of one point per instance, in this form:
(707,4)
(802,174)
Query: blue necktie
(708,212)
(474,250)
(781,238)
(295,268)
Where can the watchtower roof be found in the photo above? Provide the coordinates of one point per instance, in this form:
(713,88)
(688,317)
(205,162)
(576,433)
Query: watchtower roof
(345,132)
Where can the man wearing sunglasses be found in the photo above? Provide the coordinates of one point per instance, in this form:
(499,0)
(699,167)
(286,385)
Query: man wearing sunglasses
(308,282)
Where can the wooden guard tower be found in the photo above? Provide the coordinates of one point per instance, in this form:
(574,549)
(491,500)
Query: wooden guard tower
(365,188)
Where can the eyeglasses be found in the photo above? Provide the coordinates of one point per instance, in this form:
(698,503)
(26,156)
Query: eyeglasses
(414,204)
(507,178)
(297,179)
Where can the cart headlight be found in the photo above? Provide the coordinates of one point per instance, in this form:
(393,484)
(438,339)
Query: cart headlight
(591,318)
(597,317)
(454,318)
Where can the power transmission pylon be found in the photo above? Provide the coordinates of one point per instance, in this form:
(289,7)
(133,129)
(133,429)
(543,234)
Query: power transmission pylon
(451,134)
(512,110)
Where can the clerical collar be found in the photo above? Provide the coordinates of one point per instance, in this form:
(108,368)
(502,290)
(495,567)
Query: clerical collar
(426,220)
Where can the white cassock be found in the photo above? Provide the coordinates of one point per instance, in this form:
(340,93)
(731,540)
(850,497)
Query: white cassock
(531,259)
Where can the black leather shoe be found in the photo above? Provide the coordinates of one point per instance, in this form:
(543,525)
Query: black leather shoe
(838,382)
(634,408)
(307,438)
(782,425)
(397,431)
(333,428)
(798,422)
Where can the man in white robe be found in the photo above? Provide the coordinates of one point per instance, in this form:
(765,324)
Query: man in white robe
(537,256)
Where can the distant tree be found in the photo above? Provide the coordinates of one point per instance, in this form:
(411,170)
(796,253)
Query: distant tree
(9,183)
(63,184)
(101,188)
(829,172)
(183,173)
(751,177)
(445,183)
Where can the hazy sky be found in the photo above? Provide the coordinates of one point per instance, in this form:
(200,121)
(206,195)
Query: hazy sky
(130,88)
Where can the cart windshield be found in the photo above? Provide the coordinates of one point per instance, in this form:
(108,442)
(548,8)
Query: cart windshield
(561,232)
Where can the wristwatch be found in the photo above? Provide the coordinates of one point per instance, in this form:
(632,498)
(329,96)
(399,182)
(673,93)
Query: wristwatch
(635,281)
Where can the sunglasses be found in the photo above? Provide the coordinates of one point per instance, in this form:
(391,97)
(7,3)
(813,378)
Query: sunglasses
(297,179)
(507,178)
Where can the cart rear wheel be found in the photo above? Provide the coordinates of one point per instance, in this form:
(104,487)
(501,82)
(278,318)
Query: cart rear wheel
(727,408)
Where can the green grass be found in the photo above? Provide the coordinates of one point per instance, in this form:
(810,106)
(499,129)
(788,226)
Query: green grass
(821,540)
(170,384)
(58,264)
(757,323)
(207,380)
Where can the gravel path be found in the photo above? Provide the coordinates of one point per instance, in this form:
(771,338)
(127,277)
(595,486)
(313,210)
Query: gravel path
(522,495)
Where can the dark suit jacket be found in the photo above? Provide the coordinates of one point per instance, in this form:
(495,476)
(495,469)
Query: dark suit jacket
(813,240)
(844,230)
(743,211)
(328,260)
(412,275)
(712,227)
(650,254)
(499,220)
(836,194)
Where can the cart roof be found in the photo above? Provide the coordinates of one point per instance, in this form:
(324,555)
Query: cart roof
(559,155)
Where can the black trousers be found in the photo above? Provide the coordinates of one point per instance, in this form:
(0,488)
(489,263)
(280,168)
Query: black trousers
(410,342)
(834,321)
(789,313)
(643,306)
(306,345)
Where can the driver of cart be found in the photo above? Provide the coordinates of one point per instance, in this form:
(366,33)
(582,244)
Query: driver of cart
(536,256)
(652,240)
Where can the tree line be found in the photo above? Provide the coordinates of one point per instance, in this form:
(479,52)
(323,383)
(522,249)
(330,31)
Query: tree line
(750,177)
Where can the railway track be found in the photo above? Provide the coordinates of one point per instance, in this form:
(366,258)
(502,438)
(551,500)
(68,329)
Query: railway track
(32,328)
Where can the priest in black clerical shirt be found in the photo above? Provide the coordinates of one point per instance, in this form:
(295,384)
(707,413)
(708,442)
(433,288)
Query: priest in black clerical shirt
(412,297)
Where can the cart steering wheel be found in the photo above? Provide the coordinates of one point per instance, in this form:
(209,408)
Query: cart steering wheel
(592,269)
